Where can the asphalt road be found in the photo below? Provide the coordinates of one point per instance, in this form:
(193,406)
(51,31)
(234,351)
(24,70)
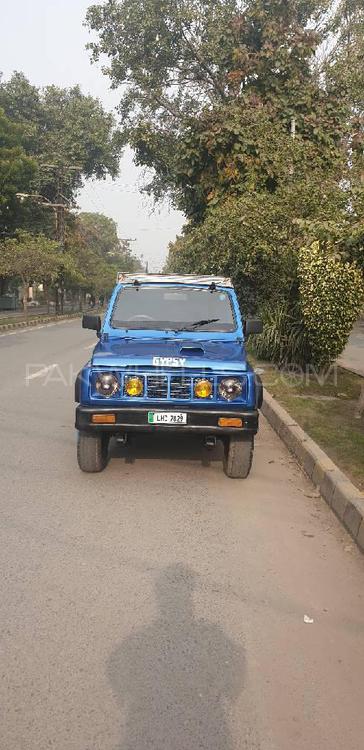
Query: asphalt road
(160,605)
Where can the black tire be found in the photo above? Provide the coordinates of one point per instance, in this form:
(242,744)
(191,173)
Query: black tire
(238,456)
(92,451)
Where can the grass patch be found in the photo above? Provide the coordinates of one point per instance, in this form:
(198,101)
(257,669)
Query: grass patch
(21,319)
(37,316)
(324,407)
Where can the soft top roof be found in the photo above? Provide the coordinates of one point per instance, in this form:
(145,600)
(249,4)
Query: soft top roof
(173,278)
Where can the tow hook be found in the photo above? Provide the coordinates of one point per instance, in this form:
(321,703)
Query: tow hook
(122,438)
(210,442)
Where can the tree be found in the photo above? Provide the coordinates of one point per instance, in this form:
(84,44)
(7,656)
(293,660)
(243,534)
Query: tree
(99,233)
(344,68)
(255,238)
(345,58)
(175,58)
(199,77)
(31,258)
(16,172)
(69,134)
(93,243)
(224,101)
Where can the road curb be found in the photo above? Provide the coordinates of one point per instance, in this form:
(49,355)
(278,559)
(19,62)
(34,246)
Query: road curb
(338,491)
(38,321)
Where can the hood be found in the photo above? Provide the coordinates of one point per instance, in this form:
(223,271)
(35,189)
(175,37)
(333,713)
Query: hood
(170,353)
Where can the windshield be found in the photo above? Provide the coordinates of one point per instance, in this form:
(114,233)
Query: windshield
(173,308)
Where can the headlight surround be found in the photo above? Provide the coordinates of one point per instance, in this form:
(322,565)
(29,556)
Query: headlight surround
(202,388)
(134,386)
(107,384)
(230,388)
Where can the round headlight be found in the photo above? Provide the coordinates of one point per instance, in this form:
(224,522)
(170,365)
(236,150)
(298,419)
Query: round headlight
(203,388)
(107,385)
(134,386)
(230,388)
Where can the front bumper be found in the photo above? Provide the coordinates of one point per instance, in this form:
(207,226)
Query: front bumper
(135,419)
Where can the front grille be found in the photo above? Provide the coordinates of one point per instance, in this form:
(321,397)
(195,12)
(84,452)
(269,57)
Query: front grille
(181,388)
(157,386)
(176,387)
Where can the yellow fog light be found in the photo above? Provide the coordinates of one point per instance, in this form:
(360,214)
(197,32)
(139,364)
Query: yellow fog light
(134,386)
(203,388)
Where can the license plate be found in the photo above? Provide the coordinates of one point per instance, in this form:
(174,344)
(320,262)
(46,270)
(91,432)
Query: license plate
(166,417)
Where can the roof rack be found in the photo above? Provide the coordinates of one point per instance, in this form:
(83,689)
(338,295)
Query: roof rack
(173,278)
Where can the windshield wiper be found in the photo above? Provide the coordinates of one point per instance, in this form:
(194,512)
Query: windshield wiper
(198,323)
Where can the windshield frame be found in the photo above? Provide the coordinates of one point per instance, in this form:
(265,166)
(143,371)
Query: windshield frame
(187,328)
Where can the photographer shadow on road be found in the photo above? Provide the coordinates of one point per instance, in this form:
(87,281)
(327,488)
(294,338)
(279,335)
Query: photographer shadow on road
(176,678)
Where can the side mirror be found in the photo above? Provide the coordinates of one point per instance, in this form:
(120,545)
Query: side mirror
(252,325)
(93,322)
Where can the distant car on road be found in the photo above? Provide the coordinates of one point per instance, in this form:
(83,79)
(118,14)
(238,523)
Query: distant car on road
(170,358)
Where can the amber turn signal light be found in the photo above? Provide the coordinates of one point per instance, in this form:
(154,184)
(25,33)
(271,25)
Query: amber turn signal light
(103,419)
(230,422)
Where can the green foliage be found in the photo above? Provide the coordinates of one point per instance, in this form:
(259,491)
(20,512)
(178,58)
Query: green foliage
(32,258)
(255,238)
(93,243)
(90,262)
(345,59)
(16,170)
(172,56)
(331,295)
(247,147)
(99,232)
(244,239)
(210,89)
(284,340)
(341,227)
(213,93)
(95,275)
(50,141)
(69,134)
(343,69)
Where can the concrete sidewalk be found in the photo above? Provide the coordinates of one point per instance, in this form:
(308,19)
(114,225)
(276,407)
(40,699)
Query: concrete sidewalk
(352,357)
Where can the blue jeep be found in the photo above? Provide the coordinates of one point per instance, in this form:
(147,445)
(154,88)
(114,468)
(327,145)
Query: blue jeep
(170,357)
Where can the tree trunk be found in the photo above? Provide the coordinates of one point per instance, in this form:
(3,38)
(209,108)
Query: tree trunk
(61,296)
(25,299)
(360,405)
(46,295)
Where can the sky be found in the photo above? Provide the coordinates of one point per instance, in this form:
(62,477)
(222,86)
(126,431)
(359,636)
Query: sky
(45,39)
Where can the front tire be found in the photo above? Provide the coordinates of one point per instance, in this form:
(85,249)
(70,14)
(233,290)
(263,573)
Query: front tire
(238,456)
(92,451)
